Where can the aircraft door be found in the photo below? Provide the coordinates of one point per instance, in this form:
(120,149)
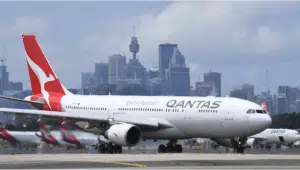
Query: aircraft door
(110,113)
(247,118)
(229,116)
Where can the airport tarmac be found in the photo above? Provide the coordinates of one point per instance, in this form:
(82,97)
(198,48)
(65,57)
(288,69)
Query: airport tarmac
(152,161)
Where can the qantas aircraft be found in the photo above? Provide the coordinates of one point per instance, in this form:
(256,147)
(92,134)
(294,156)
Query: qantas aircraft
(17,137)
(82,139)
(53,138)
(125,120)
(267,137)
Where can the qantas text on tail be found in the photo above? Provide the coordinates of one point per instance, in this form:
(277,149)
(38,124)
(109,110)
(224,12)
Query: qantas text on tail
(124,120)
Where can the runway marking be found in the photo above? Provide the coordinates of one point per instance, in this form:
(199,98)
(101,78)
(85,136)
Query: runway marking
(117,163)
(129,164)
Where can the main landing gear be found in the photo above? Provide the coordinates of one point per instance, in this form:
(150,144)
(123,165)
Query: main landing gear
(172,147)
(109,148)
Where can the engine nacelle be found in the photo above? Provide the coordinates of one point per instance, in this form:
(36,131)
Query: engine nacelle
(124,134)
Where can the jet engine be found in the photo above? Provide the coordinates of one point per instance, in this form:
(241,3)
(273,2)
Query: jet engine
(124,134)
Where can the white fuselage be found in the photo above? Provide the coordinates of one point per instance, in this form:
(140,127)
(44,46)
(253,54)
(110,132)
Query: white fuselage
(278,136)
(205,117)
(23,137)
(85,138)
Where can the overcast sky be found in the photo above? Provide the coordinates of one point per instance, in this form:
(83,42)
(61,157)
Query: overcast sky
(239,39)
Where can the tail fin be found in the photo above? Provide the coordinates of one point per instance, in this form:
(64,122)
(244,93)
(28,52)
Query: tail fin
(5,135)
(46,135)
(67,135)
(44,130)
(264,105)
(42,77)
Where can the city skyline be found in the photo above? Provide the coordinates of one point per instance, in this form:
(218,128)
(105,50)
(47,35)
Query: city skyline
(238,39)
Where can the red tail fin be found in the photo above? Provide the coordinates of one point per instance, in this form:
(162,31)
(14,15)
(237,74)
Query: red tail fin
(44,130)
(42,77)
(46,135)
(67,135)
(264,105)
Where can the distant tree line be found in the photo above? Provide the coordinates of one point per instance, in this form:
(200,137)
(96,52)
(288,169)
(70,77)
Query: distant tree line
(287,120)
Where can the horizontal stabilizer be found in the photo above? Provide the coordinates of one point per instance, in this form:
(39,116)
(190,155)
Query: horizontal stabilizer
(34,103)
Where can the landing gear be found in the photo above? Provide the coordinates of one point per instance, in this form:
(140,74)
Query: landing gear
(239,150)
(110,148)
(239,144)
(101,148)
(171,147)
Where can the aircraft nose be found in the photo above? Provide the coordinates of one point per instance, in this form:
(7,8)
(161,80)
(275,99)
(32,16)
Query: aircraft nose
(266,120)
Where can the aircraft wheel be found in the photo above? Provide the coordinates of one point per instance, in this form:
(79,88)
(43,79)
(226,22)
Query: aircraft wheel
(118,149)
(110,148)
(178,148)
(169,148)
(240,150)
(161,149)
(268,147)
(278,146)
(101,148)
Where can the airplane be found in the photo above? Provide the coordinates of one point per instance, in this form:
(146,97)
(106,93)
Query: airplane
(53,138)
(126,120)
(18,137)
(267,137)
(82,139)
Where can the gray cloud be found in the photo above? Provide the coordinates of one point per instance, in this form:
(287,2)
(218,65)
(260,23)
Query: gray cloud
(213,35)
(239,39)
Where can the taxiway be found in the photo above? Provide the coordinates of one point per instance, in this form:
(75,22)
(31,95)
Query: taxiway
(152,161)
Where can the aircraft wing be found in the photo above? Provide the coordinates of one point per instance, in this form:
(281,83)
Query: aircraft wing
(87,116)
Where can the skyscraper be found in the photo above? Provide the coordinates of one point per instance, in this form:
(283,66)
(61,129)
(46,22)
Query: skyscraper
(116,68)
(177,76)
(4,77)
(165,54)
(215,79)
(101,73)
(86,80)
(245,91)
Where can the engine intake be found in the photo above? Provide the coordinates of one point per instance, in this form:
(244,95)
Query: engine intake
(124,134)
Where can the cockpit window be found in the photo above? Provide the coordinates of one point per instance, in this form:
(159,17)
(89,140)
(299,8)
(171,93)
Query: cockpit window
(264,111)
(259,111)
(253,111)
(248,111)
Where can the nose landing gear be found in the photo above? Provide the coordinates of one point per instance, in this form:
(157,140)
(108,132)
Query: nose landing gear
(239,144)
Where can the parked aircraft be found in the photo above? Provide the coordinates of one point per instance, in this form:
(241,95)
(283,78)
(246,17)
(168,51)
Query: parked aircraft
(18,137)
